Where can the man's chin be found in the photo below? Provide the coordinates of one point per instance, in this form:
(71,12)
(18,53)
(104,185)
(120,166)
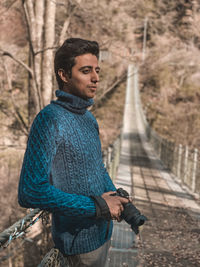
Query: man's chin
(93,95)
(88,97)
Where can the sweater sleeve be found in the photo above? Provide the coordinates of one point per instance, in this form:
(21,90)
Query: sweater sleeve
(108,182)
(35,190)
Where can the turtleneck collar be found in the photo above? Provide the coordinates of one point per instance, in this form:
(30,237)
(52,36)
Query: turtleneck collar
(71,102)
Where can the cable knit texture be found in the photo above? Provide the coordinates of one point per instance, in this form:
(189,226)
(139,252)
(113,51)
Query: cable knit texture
(62,167)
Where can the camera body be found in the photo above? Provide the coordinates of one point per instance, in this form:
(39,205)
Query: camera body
(130,213)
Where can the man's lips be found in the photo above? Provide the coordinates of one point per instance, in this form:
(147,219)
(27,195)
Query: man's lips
(94,88)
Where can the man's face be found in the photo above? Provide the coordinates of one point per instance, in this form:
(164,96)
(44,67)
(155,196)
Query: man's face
(84,77)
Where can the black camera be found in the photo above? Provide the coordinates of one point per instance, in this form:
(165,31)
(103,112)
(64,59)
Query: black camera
(130,213)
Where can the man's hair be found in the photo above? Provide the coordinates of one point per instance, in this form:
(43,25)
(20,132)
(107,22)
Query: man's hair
(71,48)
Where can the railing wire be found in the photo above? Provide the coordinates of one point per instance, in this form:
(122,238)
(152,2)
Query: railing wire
(181,161)
(18,229)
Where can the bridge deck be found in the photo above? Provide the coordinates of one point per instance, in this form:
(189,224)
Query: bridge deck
(171,235)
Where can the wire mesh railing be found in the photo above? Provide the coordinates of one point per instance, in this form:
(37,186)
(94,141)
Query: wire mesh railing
(111,157)
(183,162)
(19,229)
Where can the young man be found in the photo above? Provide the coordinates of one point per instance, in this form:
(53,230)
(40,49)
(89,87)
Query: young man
(63,171)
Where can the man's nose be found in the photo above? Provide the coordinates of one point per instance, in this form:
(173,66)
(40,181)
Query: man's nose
(95,77)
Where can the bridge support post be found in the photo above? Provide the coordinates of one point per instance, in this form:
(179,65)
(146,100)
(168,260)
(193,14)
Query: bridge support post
(193,186)
(109,159)
(180,149)
(186,165)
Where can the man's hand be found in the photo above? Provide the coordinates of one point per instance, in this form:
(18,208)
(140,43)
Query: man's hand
(115,204)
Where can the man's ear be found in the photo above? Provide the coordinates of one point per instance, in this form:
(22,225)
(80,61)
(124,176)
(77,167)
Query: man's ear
(63,76)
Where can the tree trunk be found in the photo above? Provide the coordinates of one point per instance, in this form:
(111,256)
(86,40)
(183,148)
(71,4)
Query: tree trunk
(34,101)
(33,98)
(40,18)
(39,23)
(47,59)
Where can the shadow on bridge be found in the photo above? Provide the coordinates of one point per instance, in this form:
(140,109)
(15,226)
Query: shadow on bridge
(136,154)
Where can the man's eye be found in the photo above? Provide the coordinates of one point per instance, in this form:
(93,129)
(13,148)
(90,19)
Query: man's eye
(85,71)
(97,71)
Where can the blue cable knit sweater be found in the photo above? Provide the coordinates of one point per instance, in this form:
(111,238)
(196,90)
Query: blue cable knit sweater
(62,168)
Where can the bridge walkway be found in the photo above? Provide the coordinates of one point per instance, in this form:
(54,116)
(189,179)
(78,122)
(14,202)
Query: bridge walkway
(170,237)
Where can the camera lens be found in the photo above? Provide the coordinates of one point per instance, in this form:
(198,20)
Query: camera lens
(133,217)
(131,214)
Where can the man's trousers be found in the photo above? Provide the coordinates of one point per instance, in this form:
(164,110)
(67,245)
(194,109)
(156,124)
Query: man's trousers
(95,258)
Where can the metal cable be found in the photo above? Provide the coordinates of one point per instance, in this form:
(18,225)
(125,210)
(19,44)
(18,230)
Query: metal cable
(19,228)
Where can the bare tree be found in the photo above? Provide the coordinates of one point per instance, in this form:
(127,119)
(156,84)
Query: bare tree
(40,18)
(49,36)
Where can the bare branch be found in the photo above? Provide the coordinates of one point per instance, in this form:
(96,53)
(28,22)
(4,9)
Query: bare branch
(17,113)
(71,9)
(5,113)
(28,26)
(29,8)
(64,4)
(64,30)
(19,117)
(7,9)
(47,48)
(58,3)
(6,53)
(39,23)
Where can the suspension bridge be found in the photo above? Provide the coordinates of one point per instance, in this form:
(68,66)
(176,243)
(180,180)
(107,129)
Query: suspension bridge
(164,181)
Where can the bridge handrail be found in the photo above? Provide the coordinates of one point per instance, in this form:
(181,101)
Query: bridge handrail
(183,162)
(19,228)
